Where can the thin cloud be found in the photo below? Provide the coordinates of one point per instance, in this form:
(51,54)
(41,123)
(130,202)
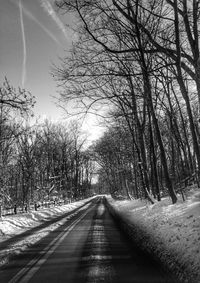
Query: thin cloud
(24,44)
(50,10)
(47,31)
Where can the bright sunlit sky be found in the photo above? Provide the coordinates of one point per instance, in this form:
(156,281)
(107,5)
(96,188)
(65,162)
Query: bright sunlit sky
(32,37)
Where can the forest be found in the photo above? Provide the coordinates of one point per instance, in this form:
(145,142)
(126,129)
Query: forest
(136,65)
(41,162)
(139,61)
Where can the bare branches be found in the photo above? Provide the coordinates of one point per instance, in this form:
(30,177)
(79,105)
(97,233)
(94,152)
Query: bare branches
(20,99)
(125,56)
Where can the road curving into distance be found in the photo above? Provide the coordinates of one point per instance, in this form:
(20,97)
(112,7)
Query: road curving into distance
(87,248)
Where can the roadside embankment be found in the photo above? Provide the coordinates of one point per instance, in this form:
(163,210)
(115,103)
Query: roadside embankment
(170,233)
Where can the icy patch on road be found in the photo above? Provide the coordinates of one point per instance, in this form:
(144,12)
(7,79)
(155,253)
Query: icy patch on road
(100,210)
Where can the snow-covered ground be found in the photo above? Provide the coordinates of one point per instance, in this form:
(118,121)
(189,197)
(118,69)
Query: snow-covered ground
(169,232)
(14,226)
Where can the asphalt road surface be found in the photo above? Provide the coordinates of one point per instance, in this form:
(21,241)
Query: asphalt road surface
(87,248)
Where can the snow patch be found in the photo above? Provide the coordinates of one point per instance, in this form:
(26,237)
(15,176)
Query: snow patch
(169,231)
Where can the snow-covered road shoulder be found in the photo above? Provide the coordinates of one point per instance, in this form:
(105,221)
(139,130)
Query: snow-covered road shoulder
(18,232)
(169,232)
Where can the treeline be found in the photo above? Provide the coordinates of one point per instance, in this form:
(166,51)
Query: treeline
(39,162)
(121,171)
(139,59)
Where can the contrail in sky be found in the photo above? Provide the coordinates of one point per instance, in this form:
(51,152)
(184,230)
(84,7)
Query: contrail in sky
(50,10)
(24,44)
(30,16)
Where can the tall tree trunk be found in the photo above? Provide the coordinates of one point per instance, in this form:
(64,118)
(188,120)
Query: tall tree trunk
(183,88)
(154,163)
(168,181)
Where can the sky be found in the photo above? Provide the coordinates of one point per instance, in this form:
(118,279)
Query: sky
(32,38)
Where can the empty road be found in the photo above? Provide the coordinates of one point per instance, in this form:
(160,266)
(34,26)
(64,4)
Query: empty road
(87,248)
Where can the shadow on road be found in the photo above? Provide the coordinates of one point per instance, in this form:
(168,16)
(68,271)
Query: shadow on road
(110,256)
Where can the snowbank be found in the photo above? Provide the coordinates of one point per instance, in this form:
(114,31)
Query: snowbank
(14,229)
(169,232)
